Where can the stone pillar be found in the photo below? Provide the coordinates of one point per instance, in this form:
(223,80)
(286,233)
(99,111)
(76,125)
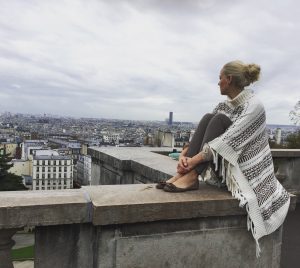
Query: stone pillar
(6,243)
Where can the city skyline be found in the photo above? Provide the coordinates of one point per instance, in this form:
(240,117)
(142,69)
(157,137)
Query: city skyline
(136,61)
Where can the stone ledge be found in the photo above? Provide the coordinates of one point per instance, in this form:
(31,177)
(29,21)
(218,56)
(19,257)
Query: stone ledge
(285,153)
(114,204)
(118,204)
(143,160)
(34,208)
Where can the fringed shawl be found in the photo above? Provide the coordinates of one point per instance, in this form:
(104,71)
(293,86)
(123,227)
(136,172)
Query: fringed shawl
(247,165)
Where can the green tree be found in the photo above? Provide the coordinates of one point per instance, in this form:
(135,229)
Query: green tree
(295,114)
(293,140)
(9,181)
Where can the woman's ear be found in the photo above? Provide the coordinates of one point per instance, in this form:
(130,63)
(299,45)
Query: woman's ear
(229,79)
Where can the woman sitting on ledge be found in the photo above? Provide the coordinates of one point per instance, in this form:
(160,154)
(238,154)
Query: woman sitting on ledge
(233,140)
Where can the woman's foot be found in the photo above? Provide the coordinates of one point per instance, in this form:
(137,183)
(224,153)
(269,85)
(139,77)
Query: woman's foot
(174,178)
(187,180)
(162,184)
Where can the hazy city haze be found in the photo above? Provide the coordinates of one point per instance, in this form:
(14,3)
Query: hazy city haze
(140,60)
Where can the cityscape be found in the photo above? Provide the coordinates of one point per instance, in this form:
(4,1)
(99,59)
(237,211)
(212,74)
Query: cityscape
(50,152)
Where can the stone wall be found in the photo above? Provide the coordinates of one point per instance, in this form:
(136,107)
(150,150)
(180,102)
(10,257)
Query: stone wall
(144,165)
(135,225)
(113,165)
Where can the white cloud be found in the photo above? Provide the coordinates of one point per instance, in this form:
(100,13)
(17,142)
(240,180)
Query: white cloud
(140,59)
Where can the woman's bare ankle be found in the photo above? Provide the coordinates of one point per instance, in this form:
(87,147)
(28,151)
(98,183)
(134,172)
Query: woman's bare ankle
(174,178)
(187,180)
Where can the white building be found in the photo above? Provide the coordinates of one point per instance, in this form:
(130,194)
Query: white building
(29,147)
(164,139)
(51,171)
(111,137)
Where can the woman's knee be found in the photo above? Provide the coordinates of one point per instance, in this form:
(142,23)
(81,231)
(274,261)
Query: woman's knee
(205,120)
(207,117)
(224,119)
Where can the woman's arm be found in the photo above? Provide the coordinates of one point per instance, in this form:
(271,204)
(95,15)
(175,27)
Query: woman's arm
(190,163)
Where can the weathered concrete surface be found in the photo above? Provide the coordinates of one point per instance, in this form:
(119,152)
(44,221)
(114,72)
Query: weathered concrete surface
(6,243)
(203,242)
(125,220)
(65,246)
(141,203)
(113,165)
(28,208)
(291,240)
(286,153)
(288,172)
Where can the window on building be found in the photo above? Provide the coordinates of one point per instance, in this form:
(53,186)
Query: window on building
(43,169)
(65,169)
(54,169)
(37,176)
(37,169)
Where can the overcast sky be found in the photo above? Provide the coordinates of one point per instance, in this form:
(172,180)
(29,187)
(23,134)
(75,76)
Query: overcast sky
(141,59)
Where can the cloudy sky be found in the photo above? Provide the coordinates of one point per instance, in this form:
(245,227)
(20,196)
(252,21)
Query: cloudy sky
(141,59)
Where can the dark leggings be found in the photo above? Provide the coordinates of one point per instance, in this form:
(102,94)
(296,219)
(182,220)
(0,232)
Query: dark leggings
(210,127)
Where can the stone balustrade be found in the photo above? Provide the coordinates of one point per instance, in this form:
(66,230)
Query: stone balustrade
(134,225)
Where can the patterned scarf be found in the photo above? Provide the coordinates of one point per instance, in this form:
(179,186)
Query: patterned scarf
(247,165)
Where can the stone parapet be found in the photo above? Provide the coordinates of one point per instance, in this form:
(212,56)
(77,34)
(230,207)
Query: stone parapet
(135,225)
(287,162)
(143,165)
(19,209)
(112,204)
(114,165)
(144,203)
(98,226)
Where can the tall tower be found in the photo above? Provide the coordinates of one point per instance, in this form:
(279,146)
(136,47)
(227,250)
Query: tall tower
(278,136)
(170,123)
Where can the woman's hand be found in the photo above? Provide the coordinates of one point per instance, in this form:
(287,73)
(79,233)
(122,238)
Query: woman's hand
(185,164)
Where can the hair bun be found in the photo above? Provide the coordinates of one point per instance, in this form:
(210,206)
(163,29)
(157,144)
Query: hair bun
(252,72)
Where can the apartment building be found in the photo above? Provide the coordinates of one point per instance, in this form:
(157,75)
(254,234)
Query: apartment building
(51,171)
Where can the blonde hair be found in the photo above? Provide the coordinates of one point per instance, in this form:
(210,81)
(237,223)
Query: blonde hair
(242,74)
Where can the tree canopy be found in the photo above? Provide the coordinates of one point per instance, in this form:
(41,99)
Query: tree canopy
(295,114)
(9,181)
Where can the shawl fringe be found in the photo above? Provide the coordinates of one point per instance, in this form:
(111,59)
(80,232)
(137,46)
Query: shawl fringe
(232,185)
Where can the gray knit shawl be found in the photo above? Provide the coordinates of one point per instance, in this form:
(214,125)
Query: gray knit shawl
(247,165)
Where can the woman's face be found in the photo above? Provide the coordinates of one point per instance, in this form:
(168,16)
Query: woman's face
(224,83)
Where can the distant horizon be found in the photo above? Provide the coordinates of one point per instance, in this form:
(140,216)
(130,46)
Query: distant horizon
(42,115)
